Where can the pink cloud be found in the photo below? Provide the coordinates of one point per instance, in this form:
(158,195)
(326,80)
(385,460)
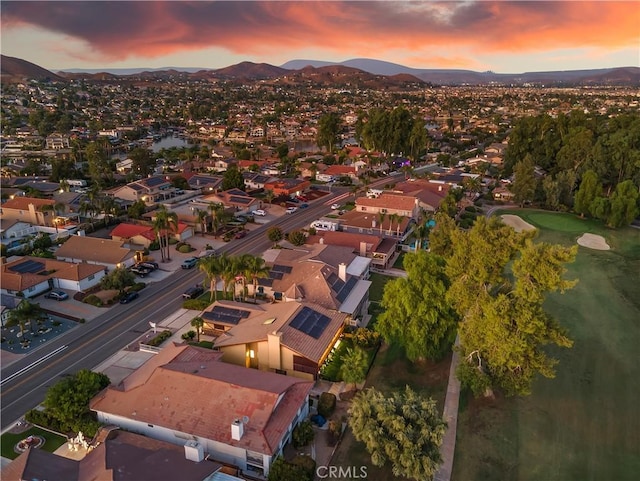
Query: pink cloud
(118,30)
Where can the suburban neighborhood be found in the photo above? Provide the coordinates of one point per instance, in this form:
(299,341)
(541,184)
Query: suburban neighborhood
(248,278)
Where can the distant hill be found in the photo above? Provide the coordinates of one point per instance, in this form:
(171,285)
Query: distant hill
(360,72)
(17,70)
(606,76)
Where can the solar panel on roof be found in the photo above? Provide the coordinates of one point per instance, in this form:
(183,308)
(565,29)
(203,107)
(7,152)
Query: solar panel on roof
(275,275)
(346,289)
(28,267)
(239,200)
(226,315)
(154,181)
(265,282)
(281,268)
(310,322)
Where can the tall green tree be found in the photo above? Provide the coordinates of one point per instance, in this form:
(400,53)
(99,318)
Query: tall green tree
(441,235)
(257,269)
(165,223)
(589,189)
(212,268)
(119,279)
(232,178)
(275,234)
(623,205)
(143,163)
(403,429)
(524,184)
(355,365)
(328,130)
(504,328)
(68,399)
(417,316)
(197,322)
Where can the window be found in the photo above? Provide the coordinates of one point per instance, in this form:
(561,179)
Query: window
(31,289)
(92,277)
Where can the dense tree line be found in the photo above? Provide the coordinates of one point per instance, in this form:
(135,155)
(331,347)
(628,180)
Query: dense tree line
(394,131)
(590,164)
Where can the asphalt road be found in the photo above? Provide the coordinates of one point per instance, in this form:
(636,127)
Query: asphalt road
(24,383)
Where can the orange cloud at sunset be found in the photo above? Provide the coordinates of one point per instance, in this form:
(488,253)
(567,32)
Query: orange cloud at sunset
(119,30)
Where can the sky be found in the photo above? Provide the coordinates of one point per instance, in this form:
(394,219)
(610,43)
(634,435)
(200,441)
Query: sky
(502,36)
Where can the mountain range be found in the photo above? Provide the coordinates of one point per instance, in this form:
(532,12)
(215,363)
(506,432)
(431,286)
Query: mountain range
(365,73)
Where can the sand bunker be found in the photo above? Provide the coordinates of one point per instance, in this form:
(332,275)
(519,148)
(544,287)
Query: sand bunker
(516,222)
(593,241)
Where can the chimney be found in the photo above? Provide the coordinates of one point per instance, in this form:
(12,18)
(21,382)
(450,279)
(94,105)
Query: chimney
(342,272)
(321,240)
(273,346)
(373,224)
(440,188)
(237,430)
(194,451)
(363,249)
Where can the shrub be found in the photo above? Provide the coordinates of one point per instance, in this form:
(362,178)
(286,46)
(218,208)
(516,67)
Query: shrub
(160,338)
(41,418)
(297,238)
(55,323)
(189,335)
(138,286)
(365,338)
(154,246)
(195,304)
(185,248)
(334,432)
(326,404)
(172,241)
(307,463)
(93,300)
(312,231)
(302,434)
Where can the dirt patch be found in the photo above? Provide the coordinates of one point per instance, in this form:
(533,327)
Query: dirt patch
(593,241)
(516,222)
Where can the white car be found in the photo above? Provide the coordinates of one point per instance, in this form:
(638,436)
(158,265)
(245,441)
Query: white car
(291,210)
(259,212)
(335,206)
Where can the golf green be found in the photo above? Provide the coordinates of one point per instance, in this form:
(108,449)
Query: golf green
(585,423)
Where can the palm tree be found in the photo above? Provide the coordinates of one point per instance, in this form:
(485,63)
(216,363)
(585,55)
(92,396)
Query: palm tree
(392,219)
(257,269)
(269,195)
(217,213)
(64,185)
(164,223)
(197,322)
(212,269)
(201,215)
(398,222)
(421,232)
(228,274)
(110,208)
(381,216)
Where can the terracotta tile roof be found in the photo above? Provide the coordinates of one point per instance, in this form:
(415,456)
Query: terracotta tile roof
(22,203)
(16,281)
(94,249)
(366,220)
(340,170)
(204,397)
(346,239)
(127,231)
(389,201)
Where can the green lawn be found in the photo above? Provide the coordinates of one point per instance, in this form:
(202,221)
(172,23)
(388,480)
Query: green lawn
(8,441)
(377,286)
(585,423)
(399,260)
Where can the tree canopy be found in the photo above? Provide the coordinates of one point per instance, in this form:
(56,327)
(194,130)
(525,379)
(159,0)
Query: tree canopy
(232,178)
(404,429)
(503,326)
(417,316)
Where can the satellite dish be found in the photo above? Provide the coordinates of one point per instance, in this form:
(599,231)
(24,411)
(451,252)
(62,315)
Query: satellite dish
(245,419)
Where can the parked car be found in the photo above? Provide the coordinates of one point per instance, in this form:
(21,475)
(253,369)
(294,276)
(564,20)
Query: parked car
(140,270)
(128,297)
(304,205)
(291,210)
(57,295)
(240,234)
(189,263)
(335,206)
(259,212)
(193,292)
(149,265)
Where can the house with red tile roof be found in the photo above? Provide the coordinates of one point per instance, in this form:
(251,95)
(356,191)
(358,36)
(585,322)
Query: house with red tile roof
(32,276)
(186,394)
(428,194)
(334,172)
(94,250)
(138,235)
(388,203)
(378,248)
(287,186)
(29,209)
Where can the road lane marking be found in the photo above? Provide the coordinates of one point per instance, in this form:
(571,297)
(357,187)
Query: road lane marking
(33,364)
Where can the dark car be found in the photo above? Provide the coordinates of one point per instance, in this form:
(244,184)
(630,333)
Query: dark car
(57,295)
(240,234)
(193,292)
(149,265)
(128,297)
(140,270)
(303,205)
